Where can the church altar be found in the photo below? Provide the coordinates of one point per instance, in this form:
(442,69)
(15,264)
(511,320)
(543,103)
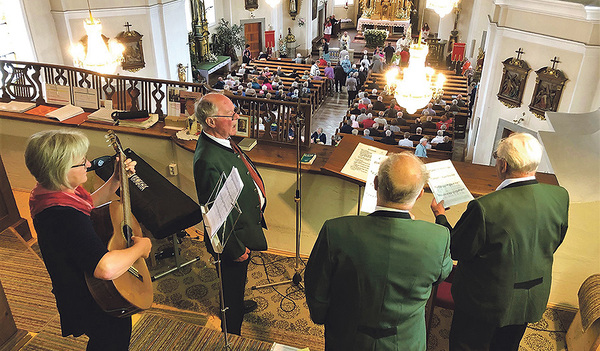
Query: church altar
(383,23)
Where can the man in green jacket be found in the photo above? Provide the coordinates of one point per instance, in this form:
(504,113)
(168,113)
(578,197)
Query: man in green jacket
(504,244)
(368,278)
(216,154)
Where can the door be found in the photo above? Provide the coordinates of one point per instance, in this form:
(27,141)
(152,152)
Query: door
(253,38)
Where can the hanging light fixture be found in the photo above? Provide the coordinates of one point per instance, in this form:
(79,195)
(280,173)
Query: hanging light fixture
(441,7)
(418,83)
(100,55)
(273,3)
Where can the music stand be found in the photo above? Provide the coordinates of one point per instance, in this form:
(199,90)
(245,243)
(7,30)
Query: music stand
(217,241)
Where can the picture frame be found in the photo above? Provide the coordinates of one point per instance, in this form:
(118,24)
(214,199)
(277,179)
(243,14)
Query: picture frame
(251,5)
(512,84)
(133,55)
(315,10)
(548,90)
(243,127)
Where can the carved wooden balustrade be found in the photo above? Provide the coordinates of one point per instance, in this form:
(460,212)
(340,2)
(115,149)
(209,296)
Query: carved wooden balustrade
(25,81)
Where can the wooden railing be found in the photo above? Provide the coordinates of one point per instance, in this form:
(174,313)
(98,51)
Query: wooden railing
(25,81)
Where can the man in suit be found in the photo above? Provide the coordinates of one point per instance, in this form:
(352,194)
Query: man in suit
(368,278)
(215,154)
(504,244)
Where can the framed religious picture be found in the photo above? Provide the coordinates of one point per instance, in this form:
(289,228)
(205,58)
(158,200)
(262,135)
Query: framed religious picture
(243,127)
(251,5)
(133,55)
(512,84)
(315,8)
(548,90)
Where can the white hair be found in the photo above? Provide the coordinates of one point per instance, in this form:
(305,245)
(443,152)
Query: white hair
(367,132)
(521,151)
(388,132)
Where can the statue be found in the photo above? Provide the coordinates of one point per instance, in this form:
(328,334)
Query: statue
(181,72)
(290,38)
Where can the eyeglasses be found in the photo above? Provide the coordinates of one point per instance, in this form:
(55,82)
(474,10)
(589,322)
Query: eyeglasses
(495,155)
(236,111)
(85,161)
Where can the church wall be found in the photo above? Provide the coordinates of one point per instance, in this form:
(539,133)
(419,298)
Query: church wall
(480,12)
(42,31)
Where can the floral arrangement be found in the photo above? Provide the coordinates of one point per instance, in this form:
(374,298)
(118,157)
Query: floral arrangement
(375,37)
(301,21)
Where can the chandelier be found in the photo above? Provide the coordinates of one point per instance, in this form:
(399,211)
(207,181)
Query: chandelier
(273,3)
(442,7)
(418,84)
(97,55)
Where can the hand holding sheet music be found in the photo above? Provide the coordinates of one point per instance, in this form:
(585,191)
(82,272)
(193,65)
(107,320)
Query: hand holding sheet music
(446,184)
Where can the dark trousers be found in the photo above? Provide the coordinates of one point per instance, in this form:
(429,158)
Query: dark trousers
(339,83)
(471,334)
(234,284)
(109,333)
(351,96)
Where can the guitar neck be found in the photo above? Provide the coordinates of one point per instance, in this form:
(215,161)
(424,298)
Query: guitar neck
(125,191)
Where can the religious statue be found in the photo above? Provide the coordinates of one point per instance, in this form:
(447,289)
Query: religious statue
(181,72)
(480,58)
(293,8)
(290,38)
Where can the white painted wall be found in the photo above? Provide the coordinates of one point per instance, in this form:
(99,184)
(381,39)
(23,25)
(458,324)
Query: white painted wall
(42,31)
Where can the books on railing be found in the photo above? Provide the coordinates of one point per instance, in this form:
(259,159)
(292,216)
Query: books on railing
(65,112)
(308,159)
(142,123)
(247,144)
(16,106)
(102,115)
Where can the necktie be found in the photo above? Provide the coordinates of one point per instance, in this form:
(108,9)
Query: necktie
(251,170)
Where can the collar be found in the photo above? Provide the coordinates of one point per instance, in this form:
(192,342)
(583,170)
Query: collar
(381,211)
(223,142)
(510,181)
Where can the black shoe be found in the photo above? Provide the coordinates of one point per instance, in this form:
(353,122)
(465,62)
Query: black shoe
(249,306)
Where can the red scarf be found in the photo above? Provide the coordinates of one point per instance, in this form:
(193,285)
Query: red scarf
(42,198)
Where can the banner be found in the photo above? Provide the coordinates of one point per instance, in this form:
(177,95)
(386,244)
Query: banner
(270,38)
(458,51)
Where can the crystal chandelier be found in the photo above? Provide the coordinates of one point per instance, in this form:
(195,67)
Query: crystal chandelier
(442,7)
(418,85)
(99,56)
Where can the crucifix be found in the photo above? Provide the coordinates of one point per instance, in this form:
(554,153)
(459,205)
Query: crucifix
(127,25)
(519,53)
(554,62)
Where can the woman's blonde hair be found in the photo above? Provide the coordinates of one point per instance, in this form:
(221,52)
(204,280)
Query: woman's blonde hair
(50,154)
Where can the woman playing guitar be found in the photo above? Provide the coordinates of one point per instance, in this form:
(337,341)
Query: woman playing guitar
(60,208)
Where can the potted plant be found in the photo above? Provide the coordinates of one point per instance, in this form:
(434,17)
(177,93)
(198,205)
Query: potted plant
(227,38)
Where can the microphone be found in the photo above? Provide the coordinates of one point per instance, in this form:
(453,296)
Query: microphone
(99,162)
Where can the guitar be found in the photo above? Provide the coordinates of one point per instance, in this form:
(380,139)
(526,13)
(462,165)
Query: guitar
(132,291)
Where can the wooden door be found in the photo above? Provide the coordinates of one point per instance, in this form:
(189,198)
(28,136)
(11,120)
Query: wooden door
(252,33)
(9,213)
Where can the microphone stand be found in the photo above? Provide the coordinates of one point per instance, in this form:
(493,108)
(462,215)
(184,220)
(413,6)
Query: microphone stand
(297,278)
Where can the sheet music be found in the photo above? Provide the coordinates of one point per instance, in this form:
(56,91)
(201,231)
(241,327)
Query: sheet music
(58,94)
(369,200)
(224,202)
(446,184)
(85,97)
(360,160)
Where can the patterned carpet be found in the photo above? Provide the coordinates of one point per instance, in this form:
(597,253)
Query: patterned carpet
(282,315)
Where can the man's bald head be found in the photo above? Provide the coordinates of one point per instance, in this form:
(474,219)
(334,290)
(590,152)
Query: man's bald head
(400,180)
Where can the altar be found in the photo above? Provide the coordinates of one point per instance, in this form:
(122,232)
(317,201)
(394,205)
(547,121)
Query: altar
(391,25)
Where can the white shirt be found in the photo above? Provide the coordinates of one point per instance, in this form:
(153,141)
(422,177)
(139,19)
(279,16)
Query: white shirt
(509,181)
(405,142)
(383,208)
(227,144)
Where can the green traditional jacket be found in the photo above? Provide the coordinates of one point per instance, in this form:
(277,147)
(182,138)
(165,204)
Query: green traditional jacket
(210,161)
(368,279)
(504,244)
